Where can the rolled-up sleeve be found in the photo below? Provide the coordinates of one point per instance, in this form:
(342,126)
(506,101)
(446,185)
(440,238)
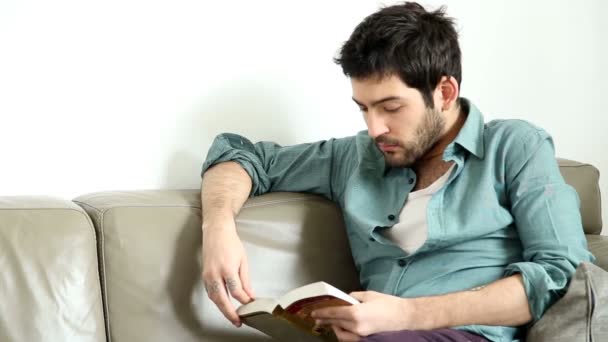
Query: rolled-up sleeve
(321,167)
(547,218)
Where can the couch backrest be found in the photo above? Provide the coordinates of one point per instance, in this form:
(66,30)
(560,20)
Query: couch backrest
(585,179)
(151,259)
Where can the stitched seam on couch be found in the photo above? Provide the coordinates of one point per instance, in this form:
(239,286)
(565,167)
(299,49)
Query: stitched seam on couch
(102,269)
(593,168)
(33,208)
(265,203)
(574,165)
(103,253)
(251,205)
(591,297)
(142,206)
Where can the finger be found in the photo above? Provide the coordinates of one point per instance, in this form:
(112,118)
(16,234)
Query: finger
(336,312)
(216,290)
(244,273)
(345,335)
(341,323)
(235,289)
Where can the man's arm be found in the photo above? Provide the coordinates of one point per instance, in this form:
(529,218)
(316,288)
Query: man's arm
(547,217)
(503,302)
(225,189)
(235,169)
(320,168)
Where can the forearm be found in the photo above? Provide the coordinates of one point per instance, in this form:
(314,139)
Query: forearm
(503,302)
(225,189)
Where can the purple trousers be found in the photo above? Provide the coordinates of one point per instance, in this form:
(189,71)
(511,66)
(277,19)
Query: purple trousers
(437,335)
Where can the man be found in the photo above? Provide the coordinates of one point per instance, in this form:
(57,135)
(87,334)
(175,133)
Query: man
(461,231)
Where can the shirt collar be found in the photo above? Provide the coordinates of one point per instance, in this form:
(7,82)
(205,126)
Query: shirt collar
(470,136)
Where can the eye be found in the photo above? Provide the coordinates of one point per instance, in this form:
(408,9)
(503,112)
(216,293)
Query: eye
(392,109)
(363,109)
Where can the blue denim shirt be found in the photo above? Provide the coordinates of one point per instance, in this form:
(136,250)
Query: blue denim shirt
(505,209)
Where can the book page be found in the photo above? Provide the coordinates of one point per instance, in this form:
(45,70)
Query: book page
(317,289)
(259,305)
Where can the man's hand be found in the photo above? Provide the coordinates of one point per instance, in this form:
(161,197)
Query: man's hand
(502,302)
(225,269)
(377,312)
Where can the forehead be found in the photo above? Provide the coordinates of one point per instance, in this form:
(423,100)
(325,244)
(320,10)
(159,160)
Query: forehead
(369,90)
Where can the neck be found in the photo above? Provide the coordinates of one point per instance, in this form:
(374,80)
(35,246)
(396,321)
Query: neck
(455,119)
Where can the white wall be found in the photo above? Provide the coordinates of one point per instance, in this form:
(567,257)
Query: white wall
(116,95)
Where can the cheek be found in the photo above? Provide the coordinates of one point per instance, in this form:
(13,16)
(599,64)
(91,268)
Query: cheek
(404,126)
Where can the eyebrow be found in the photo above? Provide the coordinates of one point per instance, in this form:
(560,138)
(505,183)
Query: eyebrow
(375,103)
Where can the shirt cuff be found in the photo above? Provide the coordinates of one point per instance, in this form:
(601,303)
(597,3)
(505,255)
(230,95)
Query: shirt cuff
(544,284)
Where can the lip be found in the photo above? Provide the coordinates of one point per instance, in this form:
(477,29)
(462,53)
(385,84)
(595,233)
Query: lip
(388,147)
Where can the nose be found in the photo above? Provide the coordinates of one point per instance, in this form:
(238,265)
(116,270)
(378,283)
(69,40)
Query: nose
(375,125)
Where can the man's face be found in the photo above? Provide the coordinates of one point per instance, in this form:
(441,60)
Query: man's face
(397,118)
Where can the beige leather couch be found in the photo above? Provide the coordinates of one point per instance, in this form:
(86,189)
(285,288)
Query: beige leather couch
(125,266)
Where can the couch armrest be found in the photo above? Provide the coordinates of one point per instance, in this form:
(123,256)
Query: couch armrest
(598,245)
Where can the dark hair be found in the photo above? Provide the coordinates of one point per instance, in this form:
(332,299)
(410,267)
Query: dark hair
(418,46)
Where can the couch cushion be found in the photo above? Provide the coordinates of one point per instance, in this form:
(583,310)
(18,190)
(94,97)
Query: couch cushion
(585,179)
(581,315)
(49,287)
(151,247)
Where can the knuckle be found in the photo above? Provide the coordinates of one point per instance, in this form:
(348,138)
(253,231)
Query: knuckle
(359,329)
(226,270)
(238,295)
(207,275)
(238,291)
(356,315)
(365,331)
(214,296)
(225,308)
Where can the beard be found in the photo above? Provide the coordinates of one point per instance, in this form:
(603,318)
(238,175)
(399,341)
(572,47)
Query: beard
(425,137)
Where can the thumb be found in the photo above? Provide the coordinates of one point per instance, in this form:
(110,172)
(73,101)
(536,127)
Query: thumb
(361,296)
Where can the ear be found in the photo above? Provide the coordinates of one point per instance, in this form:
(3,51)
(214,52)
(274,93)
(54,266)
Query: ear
(446,93)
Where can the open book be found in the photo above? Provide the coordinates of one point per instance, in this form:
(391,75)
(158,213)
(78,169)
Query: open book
(288,317)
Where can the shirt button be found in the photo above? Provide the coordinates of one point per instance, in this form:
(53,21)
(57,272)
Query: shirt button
(391,217)
(411,181)
(402,262)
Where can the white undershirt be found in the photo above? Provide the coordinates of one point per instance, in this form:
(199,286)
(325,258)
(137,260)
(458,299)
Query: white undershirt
(412,230)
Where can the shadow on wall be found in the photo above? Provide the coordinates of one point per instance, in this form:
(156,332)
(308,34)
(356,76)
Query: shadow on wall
(252,108)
